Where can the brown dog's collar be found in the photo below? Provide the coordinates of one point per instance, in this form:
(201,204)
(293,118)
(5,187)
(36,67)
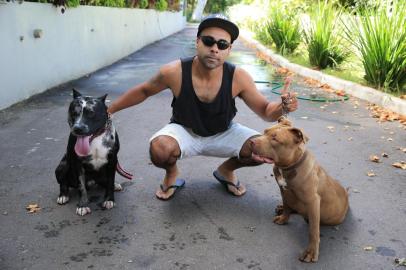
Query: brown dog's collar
(297,164)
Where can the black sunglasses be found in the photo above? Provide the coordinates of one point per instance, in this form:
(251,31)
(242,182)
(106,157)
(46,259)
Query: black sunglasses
(209,41)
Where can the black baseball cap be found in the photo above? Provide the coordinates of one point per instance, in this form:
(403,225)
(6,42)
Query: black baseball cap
(221,21)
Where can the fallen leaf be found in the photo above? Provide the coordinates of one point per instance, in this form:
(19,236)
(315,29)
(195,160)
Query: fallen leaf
(311,82)
(340,93)
(371,174)
(402,149)
(304,117)
(400,165)
(33,208)
(385,155)
(389,139)
(385,114)
(368,248)
(349,139)
(331,128)
(374,158)
(355,190)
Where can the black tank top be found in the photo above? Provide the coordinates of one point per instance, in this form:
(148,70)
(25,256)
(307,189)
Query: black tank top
(205,119)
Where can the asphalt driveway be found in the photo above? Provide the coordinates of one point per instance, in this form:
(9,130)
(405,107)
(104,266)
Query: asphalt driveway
(203,227)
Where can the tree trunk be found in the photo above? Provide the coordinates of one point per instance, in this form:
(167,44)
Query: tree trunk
(198,12)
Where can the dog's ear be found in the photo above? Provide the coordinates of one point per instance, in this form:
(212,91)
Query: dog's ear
(299,135)
(76,94)
(103,98)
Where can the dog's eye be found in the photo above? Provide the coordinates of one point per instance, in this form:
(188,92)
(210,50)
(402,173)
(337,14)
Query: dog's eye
(76,111)
(274,138)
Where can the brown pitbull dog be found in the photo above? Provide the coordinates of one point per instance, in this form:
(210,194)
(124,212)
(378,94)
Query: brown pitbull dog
(305,186)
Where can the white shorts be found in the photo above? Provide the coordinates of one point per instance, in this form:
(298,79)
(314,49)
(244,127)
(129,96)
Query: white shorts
(225,144)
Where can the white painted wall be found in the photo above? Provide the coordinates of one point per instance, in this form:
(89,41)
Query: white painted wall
(75,43)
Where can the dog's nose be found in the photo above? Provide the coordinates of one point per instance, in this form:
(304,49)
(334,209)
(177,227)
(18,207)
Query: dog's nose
(80,129)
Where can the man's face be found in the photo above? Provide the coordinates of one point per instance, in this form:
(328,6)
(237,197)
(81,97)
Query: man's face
(212,56)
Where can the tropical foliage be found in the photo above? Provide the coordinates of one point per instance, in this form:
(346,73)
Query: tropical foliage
(379,35)
(160,5)
(284,29)
(323,39)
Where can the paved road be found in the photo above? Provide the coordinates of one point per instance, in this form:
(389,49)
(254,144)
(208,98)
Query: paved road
(203,227)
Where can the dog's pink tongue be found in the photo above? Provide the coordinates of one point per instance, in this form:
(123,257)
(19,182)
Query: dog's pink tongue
(262,159)
(82,146)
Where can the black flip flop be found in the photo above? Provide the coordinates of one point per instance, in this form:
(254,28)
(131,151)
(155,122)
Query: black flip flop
(180,183)
(225,183)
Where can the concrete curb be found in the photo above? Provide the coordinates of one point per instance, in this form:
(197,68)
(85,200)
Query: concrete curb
(366,93)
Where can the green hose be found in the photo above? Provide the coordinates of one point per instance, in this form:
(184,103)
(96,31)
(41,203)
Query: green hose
(277,85)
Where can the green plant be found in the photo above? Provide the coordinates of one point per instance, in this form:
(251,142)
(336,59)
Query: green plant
(380,39)
(161,5)
(261,32)
(143,4)
(284,29)
(72,3)
(112,3)
(359,4)
(322,37)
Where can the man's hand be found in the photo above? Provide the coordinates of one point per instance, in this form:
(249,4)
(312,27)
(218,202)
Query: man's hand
(289,100)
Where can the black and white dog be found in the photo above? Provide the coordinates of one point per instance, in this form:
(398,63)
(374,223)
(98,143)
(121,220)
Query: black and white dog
(91,154)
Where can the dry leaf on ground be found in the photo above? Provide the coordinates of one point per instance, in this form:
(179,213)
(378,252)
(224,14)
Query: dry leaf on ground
(311,82)
(400,165)
(33,208)
(385,114)
(374,158)
(331,128)
(368,248)
(385,155)
(371,174)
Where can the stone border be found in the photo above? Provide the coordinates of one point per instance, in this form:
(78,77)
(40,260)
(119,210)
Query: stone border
(366,93)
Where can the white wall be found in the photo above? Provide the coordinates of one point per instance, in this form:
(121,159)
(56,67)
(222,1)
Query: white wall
(75,43)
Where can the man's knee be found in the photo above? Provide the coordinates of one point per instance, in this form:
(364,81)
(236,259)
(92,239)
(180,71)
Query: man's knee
(246,152)
(164,150)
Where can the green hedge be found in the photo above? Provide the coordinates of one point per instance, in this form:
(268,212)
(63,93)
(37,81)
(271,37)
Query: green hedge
(160,5)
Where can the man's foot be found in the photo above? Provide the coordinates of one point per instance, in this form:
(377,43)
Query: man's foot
(233,187)
(167,192)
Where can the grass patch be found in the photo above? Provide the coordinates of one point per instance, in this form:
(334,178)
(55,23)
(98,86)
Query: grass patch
(350,70)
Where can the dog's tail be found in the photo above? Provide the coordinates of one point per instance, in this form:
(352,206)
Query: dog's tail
(123,173)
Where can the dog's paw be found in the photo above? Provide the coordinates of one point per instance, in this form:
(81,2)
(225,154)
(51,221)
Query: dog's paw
(81,211)
(279,209)
(281,219)
(117,187)
(62,199)
(310,255)
(108,204)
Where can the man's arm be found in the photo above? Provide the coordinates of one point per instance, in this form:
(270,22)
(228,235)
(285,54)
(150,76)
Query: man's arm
(248,92)
(161,81)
